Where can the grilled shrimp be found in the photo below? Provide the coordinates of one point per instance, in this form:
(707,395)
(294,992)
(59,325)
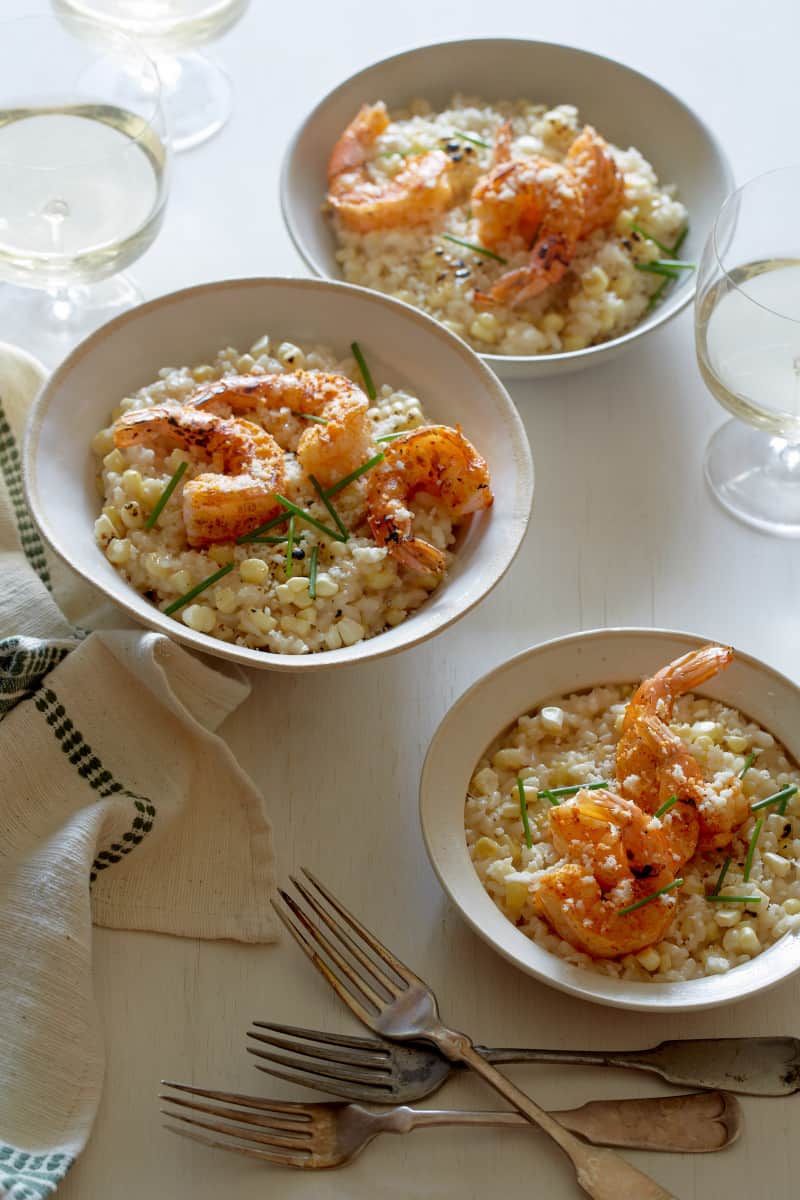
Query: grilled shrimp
(420,190)
(247,467)
(617,855)
(437,460)
(328,451)
(547,206)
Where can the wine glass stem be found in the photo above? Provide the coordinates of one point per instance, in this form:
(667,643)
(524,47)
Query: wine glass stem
(785,464)
(58,308)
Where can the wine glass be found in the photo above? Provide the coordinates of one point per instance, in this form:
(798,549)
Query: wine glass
(196,93)
(747,331)
(83,180)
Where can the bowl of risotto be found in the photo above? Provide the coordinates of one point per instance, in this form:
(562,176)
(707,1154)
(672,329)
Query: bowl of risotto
(290,474)
(618,814)
(544,203)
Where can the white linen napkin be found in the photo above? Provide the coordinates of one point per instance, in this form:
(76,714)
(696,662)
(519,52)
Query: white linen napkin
(119,804)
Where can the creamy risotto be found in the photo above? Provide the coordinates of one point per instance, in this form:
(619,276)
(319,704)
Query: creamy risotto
(574,741)
(314,591)
(604,291)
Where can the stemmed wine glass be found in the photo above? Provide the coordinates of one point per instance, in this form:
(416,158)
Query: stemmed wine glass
(83,180)
(196,93)
(747,331)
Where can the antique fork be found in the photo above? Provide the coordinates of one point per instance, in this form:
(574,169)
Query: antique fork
(316,1136)
(379,1072)
(396,1003)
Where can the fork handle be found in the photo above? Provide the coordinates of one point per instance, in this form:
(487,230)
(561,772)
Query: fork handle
(602,1174)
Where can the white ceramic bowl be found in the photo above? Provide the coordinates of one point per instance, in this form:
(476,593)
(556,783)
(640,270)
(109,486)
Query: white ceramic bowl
(402,347)
(553,669)
(628,108)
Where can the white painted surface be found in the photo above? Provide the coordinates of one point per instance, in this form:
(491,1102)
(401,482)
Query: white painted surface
(623,533)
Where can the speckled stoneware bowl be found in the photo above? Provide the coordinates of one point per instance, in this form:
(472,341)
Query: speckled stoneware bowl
(628,108)
(401,345)
(569,664)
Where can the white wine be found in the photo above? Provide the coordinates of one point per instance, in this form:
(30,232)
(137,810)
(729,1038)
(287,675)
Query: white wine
(81,192)
(748,342)
(163,25)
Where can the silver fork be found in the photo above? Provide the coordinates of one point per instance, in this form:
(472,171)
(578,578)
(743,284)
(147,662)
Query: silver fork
(317,1136)
(398,1004)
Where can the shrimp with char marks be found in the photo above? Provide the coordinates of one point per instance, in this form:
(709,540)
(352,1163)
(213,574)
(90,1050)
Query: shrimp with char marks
(238,493)
(422,189)
(616,855)
(435,459)
(328,451)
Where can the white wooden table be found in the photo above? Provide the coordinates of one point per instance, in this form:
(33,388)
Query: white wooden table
(623,533)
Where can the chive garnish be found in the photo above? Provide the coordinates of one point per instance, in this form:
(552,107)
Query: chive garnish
(467,137)
(721,876)
(523,808)
(290,548)
(748,762)
(195,591)
(389,437)
(572,790)
(448,237)
(783,794)
(751,849)
(308,416)
(669,268)
(301,512)
(364,369)
(666,806)
(359,471)
(336,518)
(255,534)
(652,238)
(312,573)
(733,899)
(657,294)
(649,899)
(165,495)
(681,239)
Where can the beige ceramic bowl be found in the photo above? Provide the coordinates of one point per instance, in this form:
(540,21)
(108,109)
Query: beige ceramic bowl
(402,347)
(628,108)
(553,669)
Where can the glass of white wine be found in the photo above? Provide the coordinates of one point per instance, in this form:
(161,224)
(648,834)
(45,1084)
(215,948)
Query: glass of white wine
(747,331)
(83,180)
(196,93)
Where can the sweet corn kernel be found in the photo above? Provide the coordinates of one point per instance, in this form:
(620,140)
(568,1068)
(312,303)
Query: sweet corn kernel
(291,355)
(487,848)
(132,484)
(132,515)
(261,346)
(225,599)
(552,322)
(297,585)
(573,341)
(295,625)
(333,638)
(650,959)
(114,461)
(728,917)
(253,570)
(737,743)
(748,940)
(791,906)
(221,552)
(717,964)
(485,327)
(326,585)
(258,621)
(485,781)
(508,759)
(552,718)
(594,282)
(777,864)
(199,617)
(708,729)
(283,593)
(103,442)
(516,896)
(396,616)
(151,492)
(118,551)
(203,373)
(350,631)
(180,582)
(622,225)
(381,579)
(104,531)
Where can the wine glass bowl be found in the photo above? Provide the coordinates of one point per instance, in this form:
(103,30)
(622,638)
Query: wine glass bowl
(747,332)
(83,180)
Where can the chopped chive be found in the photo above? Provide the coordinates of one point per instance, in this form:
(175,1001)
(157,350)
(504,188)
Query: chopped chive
(523,808)
(572,790)
(336,518)
(389,437)
(673,264)
(312,573)
(657,294)
(751,849)
(448,237)
(301,512)
(668,250)
(364,369)
(469,138)
(681,239)
(656,268)
(649,899)
(290,548)
(165,495)
(308,416)
(748,762)
(666,806)
(733,899)
(359,471)
(195,591)
(783,794)
(255,534)
(721,876)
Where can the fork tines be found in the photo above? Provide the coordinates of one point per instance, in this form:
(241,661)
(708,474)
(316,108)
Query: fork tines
(359,978)
(353,1061)
(284,1127)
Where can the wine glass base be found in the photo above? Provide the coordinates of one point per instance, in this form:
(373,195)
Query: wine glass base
(197,98)
(756,477)
(49,324)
